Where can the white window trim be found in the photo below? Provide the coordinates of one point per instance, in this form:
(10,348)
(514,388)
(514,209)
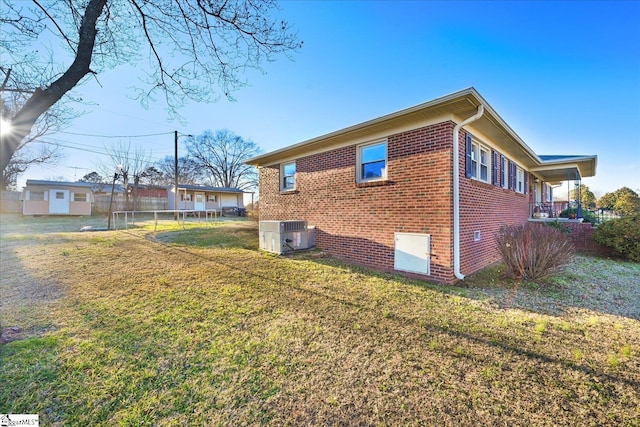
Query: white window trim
(73,197)
(359,177)
(519,180)
(476,147)
(282,176)
(504,172)
(44,196)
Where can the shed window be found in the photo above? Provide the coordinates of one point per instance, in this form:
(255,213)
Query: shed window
(211,198)
(372,161)
(36,195)
(79,197)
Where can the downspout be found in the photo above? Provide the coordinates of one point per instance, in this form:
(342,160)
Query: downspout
(456,190)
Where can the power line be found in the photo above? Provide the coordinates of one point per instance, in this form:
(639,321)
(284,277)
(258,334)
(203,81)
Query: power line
(63,143)
(117,136)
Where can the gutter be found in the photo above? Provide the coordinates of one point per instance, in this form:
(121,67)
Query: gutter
(456,190)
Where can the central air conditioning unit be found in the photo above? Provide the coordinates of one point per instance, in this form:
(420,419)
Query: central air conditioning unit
(281,237)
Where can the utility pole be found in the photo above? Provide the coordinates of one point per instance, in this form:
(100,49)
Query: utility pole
(175,195)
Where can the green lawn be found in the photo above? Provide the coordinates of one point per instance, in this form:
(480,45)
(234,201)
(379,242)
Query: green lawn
(196,327)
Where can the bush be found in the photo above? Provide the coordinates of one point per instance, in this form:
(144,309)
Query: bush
(622,235)
(588,216)
(568,213)
(534,250)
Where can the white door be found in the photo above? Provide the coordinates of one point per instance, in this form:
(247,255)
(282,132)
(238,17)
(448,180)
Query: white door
(58,201)
(199,204)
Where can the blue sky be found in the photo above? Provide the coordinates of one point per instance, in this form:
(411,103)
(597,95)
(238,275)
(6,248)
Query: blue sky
(564,75)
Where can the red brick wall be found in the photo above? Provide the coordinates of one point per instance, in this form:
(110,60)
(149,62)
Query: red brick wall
(356,222)
(485,208)
(582,238)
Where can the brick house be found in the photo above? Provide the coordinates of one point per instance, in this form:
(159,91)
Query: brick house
(388,194)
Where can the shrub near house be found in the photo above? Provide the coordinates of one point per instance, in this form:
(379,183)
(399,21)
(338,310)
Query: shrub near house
(622,235)
(534,250)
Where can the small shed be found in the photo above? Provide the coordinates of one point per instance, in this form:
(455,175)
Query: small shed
(57,198)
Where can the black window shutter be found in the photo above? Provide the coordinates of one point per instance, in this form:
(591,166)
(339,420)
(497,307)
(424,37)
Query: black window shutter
(468,149)
(526,182)
(512,175)
(496,157)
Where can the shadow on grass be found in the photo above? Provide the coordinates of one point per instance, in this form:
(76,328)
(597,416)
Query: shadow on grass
(218,236)
(498,342)
(16,225)
(600,285)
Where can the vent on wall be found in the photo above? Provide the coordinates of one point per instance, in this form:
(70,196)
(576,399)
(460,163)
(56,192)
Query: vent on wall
(283,236)
(283,226)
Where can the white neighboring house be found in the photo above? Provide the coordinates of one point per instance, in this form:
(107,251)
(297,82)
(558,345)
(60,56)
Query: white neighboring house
(200,198)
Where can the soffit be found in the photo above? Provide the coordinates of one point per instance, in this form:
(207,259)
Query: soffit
(555,169)
(457,107)
(461,104)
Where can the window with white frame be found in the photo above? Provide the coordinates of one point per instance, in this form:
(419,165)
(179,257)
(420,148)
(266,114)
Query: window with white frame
(548,193)
(79,197)
(372,161)
(504,172)
(480,162)
(288,176)
(519,179)
(211,198)
(36,195)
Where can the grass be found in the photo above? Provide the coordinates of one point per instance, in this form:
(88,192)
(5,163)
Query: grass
(196,327)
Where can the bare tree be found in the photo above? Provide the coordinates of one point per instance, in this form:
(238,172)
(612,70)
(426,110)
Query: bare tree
(31,150)
(189,171)
(222,155)
(25,157)
(130,163)
(194,46)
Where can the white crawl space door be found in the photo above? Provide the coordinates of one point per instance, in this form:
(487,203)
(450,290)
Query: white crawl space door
(412,253)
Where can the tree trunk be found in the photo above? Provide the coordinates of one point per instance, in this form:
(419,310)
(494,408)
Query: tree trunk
(43,99)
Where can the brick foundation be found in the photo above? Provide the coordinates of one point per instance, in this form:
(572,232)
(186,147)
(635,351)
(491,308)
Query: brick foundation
(582,238)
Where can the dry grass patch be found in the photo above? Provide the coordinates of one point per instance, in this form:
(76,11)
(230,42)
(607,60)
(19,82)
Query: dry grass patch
(159,329)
